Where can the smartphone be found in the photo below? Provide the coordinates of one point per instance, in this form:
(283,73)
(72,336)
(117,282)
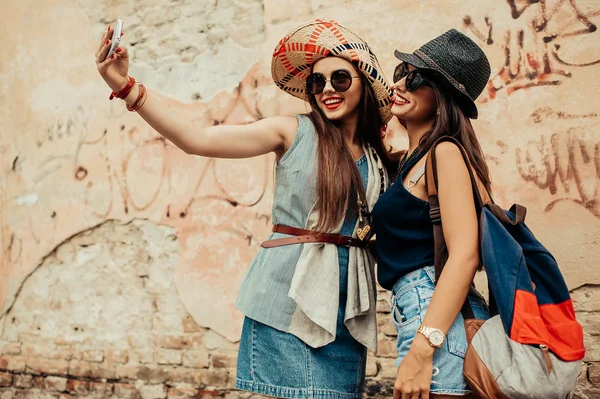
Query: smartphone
(116,38)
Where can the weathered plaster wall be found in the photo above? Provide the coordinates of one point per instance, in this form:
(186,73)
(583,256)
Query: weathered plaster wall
(108,232)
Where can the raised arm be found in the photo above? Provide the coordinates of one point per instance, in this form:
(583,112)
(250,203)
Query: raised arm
(273,134)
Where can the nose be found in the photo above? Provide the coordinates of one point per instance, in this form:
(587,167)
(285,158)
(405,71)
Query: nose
(328,87)
(400,85)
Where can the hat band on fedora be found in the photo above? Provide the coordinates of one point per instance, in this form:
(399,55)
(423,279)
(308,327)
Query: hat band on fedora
(431,63)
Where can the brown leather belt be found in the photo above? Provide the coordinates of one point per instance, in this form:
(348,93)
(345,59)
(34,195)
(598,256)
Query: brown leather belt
(302,236)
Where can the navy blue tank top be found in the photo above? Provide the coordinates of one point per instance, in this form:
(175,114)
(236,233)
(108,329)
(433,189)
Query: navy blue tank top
(404,231)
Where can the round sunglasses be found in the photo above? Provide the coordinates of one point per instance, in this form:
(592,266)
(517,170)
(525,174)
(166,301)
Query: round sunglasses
(341,80)
(414,78)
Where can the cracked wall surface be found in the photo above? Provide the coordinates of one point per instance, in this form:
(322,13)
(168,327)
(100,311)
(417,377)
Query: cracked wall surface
(77,168)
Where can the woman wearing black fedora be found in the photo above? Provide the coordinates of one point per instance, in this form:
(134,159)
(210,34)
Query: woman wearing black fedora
(435,89)
(309,295)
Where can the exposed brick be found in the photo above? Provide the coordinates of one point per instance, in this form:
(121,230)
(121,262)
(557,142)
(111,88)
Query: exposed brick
(91,370)
(153,391)
(594,373)
(55,384)
(372,368)
(144,356)
(92,356)
(11,348)
(224,360)
(23,381)
(182,393)
(214,378)
(152,374)
(6,379)
(586,299)
(187,375)
(388,328)
(48,366)
(209,393)
(126,391)
(387,348)
(196,358)
(117,356)
(240,395)
(383,306)
(138,341)
(179,342)
(590,322)
(101,389)
(78,387)
(387,369)
(32,394)
(7,393)
(39,382)
(167,323)
(190,326)
(47,351)
(592,348)
(35,339)
(211,341)
(13,363)
(168,356)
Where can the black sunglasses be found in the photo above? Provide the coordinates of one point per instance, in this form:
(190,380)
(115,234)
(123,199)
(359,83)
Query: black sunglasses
(341,80)
(414,78)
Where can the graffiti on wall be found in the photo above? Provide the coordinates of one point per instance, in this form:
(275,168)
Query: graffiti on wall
(566,163)
(540,53)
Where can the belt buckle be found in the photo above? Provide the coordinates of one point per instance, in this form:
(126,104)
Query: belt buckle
(348,244)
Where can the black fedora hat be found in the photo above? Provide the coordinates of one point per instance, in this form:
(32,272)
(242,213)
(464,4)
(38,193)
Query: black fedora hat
(459,60)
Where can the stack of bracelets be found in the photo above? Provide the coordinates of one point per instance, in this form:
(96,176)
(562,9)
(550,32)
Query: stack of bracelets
(141,98)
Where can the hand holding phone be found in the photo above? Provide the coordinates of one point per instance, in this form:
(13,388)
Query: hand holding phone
(116,38)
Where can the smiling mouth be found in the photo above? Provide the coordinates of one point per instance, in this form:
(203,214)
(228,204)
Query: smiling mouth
(399,100)
(332,103)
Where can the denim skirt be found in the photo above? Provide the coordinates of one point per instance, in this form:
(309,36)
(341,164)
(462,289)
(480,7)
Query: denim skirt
(276,363)
(411,297)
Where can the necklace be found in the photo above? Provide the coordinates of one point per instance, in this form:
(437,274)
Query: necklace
(405,160)
(364,216)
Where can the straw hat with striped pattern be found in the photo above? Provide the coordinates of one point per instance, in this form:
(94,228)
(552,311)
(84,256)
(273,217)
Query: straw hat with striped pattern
(302,47)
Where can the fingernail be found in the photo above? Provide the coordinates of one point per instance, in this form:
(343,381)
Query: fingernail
(108,29)
(118,49)
(107,41)
(122,33)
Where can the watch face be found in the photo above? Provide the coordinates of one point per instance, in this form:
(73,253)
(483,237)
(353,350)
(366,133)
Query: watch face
(436,338)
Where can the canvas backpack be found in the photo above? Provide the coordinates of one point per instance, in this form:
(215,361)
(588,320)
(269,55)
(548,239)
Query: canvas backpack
(532,346)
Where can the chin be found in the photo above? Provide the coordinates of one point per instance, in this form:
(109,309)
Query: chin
(336,115)
(398,112)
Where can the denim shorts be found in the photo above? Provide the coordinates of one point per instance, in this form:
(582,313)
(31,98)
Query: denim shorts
(411,297)
(278,364)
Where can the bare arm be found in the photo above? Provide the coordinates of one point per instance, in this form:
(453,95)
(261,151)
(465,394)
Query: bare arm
(241,141)
(460,226)
(273,134)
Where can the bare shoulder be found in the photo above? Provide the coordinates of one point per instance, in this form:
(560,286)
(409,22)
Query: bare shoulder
(448,155)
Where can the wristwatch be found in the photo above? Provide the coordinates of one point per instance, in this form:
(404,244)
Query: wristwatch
(434,336)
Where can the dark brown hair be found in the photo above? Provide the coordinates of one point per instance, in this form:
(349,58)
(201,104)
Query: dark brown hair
(452,121)
(338,177)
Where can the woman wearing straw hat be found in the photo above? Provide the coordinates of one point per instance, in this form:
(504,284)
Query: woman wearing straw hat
(309,295)
(435,89)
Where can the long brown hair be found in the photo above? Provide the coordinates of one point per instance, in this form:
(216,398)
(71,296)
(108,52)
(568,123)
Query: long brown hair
(338,177)
(452,121)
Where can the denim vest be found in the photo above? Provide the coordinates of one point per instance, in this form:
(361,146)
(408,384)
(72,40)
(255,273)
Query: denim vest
(265,295)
